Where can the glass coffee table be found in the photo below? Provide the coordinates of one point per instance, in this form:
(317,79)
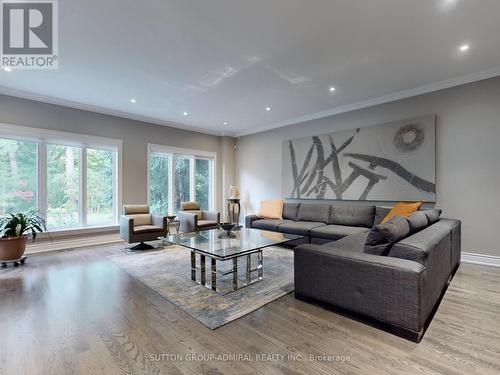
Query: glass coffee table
(214,245)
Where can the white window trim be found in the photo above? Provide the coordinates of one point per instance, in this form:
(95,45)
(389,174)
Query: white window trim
(180,151)
(192,154)
(58,137)
(43,137)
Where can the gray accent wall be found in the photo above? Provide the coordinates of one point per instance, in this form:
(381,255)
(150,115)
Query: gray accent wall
(467,155)
(135,136)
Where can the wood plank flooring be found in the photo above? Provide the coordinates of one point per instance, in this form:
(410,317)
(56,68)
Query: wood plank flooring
(75,312)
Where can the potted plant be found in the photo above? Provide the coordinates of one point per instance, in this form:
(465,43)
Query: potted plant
(14,232)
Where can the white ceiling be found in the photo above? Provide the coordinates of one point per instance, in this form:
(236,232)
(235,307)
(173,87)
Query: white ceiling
(227,60)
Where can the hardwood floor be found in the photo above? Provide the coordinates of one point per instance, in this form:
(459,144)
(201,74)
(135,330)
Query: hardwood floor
(75,312)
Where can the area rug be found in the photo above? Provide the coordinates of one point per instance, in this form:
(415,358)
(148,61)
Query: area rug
(168,272)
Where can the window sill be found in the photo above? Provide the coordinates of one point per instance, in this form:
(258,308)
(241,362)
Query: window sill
(78,231)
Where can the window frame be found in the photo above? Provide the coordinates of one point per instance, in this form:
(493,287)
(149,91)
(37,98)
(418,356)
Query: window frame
(192,155)
(211,187)
(43,137)
(37,161)
(81,207)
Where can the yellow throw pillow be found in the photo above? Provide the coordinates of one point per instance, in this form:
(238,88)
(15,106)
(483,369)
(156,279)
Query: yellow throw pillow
(402,209)
(272,209)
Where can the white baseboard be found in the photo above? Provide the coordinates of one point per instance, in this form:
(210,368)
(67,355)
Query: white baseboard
(66,243)
(485,260)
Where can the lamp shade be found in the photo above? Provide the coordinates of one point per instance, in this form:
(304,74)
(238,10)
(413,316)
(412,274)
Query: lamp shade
(234,192)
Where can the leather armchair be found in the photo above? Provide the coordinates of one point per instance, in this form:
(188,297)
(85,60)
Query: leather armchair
(138,225)
(193,219)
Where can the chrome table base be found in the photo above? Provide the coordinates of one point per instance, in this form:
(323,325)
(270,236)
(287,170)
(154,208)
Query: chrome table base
(236,284)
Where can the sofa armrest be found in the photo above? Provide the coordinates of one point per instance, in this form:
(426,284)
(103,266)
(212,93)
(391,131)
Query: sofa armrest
(189,221)
(387,289)
(249,219)
(455,227)
(160,221)
(126,227)
(418,246)
(212,216)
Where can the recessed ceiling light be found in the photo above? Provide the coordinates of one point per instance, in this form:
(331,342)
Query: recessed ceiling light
(463,47)
(133,101)
(185,113)
(7,68)
(332,89)
(268,108)
(224,123)
(447,5)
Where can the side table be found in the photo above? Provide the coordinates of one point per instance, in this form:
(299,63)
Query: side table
(233,211)
(172,221)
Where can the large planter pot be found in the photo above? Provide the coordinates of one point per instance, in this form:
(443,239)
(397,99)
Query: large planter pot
(12,248)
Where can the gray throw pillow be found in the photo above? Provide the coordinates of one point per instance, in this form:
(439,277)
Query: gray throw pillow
(353,216)
(433,215)
(290,210)
(417,221)
(318,212)
(380,214)
(382,237)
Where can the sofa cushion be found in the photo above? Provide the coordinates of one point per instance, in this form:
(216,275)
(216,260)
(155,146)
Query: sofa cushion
(383,236)
(141,219)
(335,232)
(353,243)
(433,214)
(147,229)
(302,228)
(380,213)
(186,206)
(354,216)
(417,221)
(207,223)
(269,224)
(290,210)
(314,212)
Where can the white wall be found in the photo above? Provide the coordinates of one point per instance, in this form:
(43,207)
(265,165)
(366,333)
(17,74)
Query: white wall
(467,155)
(135,135)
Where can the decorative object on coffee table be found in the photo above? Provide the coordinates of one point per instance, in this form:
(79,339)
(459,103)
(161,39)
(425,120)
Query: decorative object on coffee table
(233,211)
(15,230)
(226,230)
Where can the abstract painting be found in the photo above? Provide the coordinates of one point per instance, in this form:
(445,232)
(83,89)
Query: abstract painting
(388,162)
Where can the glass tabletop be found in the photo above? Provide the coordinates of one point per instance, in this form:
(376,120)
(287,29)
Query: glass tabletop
(215,244)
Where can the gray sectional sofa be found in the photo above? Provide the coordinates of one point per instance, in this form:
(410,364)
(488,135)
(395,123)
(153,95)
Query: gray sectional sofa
(398,291)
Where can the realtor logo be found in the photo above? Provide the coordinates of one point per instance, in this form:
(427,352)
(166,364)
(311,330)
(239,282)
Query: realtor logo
(29,34)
